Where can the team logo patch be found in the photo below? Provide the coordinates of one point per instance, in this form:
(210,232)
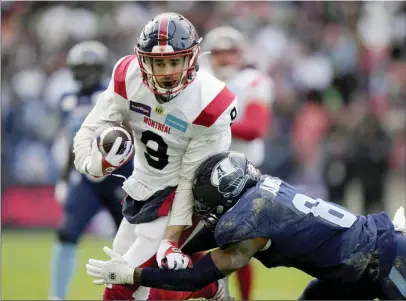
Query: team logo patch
(110,169)
(176,123)
(159,110)
(140,108)
(228,178)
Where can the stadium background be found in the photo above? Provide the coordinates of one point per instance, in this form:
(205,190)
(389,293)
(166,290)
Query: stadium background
(338,126)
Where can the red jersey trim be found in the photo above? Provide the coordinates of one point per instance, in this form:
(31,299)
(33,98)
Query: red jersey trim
(120,74)
(215,108)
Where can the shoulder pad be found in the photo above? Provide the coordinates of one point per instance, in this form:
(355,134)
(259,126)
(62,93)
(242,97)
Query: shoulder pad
(216,100)
(242,221)
(123,71)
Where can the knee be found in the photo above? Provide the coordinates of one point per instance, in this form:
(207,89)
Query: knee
(66,236)
(154,230)
(121,245)
(124,237)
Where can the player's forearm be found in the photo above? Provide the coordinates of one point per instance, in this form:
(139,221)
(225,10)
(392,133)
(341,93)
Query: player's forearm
(253,124)
(203,273)
(173,233)
(81,149)
(106,110)
(182,209)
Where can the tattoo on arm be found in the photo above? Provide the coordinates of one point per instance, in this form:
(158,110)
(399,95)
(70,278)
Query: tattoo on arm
(237,255)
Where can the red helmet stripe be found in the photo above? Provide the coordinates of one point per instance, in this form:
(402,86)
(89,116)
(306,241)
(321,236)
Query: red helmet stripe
(163,30)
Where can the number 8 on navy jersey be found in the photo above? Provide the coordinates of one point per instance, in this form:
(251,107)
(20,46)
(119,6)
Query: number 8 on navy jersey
(329,212)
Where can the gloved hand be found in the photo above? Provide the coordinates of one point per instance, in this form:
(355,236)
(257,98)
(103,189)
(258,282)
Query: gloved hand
(114,271)
(170,257)
(100,165)
(61,189)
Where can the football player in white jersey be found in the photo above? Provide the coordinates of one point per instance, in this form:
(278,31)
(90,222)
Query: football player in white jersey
(179,116)
(255,96)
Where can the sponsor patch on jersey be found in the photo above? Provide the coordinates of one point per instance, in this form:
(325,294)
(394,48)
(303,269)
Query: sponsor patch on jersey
(176,123)
(159,110)
(157,125)
(140,108)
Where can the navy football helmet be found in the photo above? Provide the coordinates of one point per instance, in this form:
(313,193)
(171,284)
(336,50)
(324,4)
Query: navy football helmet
(219,183)
(168,35)
(87,61)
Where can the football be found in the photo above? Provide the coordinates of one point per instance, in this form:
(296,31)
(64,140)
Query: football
(110,133)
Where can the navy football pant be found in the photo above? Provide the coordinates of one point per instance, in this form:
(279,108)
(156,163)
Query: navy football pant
(392,287)
(84,201)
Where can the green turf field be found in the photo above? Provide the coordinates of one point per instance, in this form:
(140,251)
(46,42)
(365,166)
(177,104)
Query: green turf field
(25,271)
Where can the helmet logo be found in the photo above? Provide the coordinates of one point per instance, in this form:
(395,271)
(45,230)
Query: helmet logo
(162,49)
(228,178)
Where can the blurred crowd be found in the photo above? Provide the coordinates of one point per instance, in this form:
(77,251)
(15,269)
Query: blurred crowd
(339,72)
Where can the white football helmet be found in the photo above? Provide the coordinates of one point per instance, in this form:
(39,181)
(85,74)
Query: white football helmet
(227,46)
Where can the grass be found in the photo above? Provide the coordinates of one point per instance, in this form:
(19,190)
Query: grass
(26,260)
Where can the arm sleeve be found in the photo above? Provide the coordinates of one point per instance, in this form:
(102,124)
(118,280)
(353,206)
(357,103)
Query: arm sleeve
(207,141)
(254,122)
(110,107)
(192,279)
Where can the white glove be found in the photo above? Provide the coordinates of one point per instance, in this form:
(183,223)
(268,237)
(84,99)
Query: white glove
(170,257)
(61,189)
(114,271)
(100,165)
(399,220)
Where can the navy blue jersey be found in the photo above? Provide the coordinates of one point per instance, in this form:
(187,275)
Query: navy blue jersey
(75,106)
(320,238)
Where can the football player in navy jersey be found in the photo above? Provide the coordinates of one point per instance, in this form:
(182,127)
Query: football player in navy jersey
(253,215)
(81,196)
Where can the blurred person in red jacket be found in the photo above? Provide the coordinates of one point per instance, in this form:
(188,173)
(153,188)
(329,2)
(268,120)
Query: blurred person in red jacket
(255,96)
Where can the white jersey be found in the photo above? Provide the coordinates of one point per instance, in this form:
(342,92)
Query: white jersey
(251,85)
(171,139)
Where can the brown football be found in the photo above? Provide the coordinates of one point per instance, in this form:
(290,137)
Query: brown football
(110,133)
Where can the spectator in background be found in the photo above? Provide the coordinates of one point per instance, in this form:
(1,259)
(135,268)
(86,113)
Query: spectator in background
(349,52)
(370,161)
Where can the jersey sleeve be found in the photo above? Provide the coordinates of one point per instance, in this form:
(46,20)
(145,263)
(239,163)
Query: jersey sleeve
(242,221)
(111,106)
(207,141)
